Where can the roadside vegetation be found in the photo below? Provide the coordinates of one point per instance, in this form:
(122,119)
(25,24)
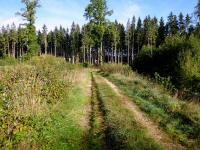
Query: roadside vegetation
(40,106)
(180,119)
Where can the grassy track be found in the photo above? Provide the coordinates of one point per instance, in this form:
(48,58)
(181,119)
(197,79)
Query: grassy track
(179,119)
(97,135)
(123,132)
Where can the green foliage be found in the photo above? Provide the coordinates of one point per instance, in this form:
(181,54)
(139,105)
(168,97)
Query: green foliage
(165,82)
(117,68)
(178,58)
(28,13)
(35,103)
(8,61)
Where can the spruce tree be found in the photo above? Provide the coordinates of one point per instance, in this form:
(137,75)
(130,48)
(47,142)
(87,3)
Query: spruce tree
(139,35)
(44,38)
(161,32)
(181,24)
(197,11)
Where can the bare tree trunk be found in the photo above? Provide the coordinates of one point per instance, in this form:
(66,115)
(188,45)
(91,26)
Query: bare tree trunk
(101,53)
(112,56)
(132,55)
(45,46)
(128,56)
(90,56)
(55,50)
(115,52)
(122,56)
(73,58)
(119,57)
(13,49)
(8,49)
(84,59)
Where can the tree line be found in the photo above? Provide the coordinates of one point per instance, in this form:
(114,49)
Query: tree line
(96,42)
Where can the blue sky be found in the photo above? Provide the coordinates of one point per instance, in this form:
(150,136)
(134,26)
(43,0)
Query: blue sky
(64,12)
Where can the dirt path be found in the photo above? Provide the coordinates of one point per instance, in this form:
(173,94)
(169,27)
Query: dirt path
(97,131)
(152,128)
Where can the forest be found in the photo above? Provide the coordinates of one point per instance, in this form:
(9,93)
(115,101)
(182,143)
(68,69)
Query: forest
(103,85)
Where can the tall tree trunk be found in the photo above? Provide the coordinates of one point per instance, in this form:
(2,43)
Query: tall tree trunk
(90,56)
(84,59)
(112,56)
(55,49)
(115,52)
(8,49)
(101,54)
(73,57)
(13,49)
(118,57)
(128,56)
(122,56)
(45,46)
(132,55)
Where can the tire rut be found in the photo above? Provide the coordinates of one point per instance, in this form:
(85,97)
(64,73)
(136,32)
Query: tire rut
(153,129)
(97,123)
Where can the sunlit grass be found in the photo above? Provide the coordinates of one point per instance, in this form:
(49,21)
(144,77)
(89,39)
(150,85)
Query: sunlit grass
(180,119)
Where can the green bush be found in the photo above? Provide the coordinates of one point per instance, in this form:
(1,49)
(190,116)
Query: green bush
(178,58)
(27,93)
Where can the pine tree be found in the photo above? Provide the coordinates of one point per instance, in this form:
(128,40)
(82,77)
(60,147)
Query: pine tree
(122,43)
(132,38)
(161,32)
(187,22)
(172,24)
(28,13)
(44,38)
(139,35)
(197,12)
(96,12)
(147,30)
(115,38)
(128,37)
(181,24)
(39,40)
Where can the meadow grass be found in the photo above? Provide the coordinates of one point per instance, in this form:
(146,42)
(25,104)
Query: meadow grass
(123,132)
(180,119)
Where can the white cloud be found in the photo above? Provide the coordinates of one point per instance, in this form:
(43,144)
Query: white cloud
(133,9)
(4,22)
(128,10)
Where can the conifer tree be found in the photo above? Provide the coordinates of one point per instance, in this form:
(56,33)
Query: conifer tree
(139,35)
(181,24)
(44,38)
(28,13)
(96,12)
(161,32)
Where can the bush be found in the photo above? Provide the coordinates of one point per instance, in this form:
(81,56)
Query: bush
(116,68)
(178,58)
(165,82)
(8,61)
(28,92)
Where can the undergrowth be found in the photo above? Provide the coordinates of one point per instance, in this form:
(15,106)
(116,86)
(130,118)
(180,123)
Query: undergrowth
(38,104)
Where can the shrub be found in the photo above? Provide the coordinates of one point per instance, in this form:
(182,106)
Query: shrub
(178,58)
